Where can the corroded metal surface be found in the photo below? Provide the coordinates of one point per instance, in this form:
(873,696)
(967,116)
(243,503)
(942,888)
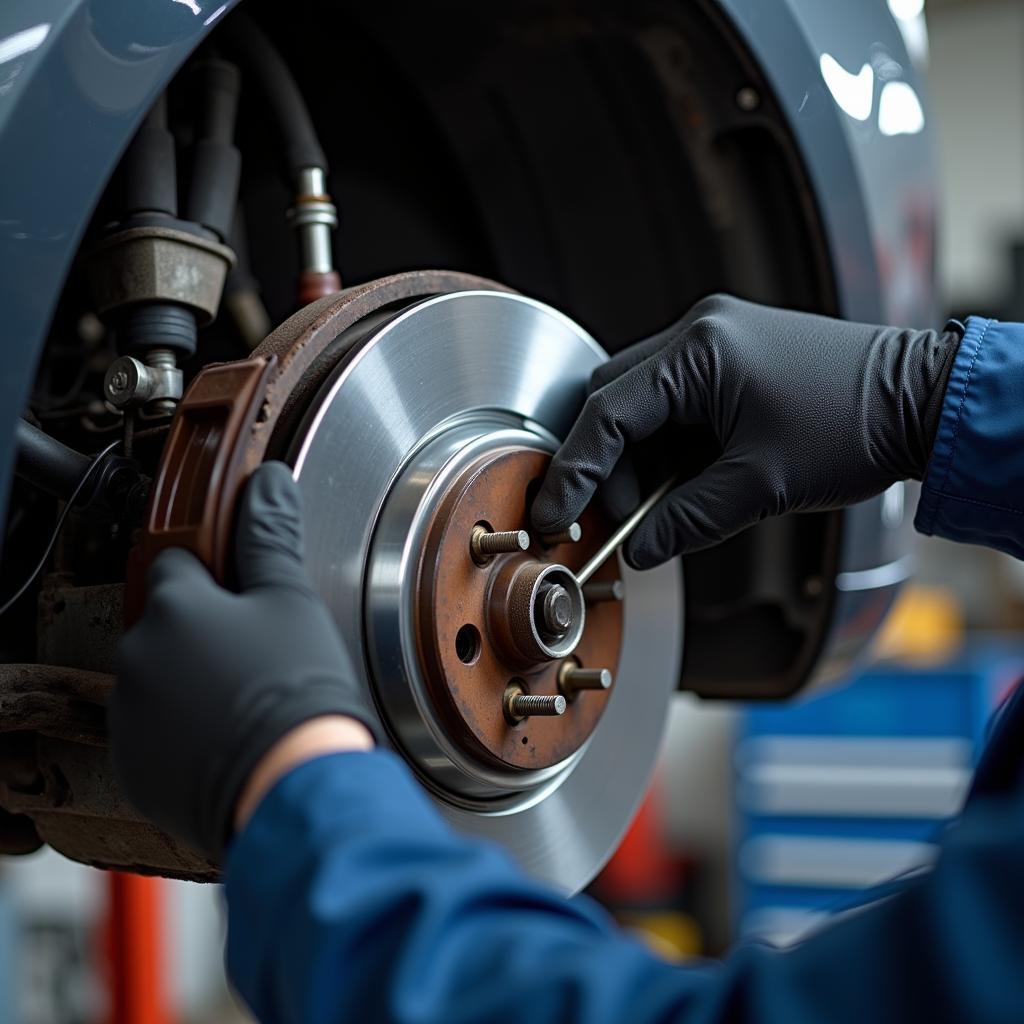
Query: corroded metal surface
(227,419)
(459,597)
(50,700)
(55,772)
(159,264)
(357,391)
(79,626)
(81,814)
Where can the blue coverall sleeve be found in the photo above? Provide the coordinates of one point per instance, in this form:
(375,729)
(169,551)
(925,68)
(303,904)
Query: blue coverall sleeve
(349,899)
(974,486)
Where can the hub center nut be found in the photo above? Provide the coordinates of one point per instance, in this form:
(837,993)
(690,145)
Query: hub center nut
(536,611)
(555,606)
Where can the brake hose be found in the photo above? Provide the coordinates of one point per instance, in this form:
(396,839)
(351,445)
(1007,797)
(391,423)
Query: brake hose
(313,214)
(262,63)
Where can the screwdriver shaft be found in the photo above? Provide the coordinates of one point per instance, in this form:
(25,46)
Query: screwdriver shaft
(605,551)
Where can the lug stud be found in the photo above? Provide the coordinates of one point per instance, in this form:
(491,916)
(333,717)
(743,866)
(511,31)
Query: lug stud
(570,535)
(603,590)
(572,679)
(484,544)
(519,705)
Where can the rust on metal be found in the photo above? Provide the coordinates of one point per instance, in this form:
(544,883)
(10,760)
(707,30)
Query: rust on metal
(224,425)
(229,419)
(222,430)
(509,612)
(80,815)
(66,703)
(455,592)
(55,770)
(194,494)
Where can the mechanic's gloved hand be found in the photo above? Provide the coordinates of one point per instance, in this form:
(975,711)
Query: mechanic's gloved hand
(209,680)
(809,412)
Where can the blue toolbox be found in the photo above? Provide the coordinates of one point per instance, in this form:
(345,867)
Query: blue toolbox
(840,792)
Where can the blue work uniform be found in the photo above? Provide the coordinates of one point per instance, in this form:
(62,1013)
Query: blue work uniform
(350,899)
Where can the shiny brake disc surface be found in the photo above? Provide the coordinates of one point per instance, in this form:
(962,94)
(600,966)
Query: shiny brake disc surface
(450,377)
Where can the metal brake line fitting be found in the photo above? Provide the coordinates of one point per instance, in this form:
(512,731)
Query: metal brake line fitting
(154,382)
(314,217)
(159,274)
(312,214)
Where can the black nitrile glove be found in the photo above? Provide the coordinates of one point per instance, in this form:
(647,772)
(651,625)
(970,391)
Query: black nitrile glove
(809,413)
(209,680)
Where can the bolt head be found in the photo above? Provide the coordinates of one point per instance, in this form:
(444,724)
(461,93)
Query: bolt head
(121,382)
(560,609)
(556,610)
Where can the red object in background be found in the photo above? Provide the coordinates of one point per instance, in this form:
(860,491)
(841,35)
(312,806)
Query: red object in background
(135,950)
(643,870)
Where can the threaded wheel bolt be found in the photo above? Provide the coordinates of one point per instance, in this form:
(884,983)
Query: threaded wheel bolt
(603,590)
(570,535)
(572,679)
(519,705)
(484,544)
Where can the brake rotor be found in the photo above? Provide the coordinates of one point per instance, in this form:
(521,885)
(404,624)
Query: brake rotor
(416,427)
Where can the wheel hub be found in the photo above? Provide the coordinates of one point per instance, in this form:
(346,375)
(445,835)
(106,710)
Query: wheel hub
(512,621)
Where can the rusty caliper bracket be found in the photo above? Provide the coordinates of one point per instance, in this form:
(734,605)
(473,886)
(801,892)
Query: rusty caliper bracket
(234,414)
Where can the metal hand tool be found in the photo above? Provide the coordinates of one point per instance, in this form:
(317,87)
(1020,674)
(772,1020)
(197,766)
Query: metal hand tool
(605,551)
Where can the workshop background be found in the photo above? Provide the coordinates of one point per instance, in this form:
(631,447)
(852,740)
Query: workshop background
(761,820)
